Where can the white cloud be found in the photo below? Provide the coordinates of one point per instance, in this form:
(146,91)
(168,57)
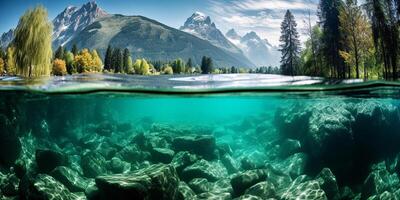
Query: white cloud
(261,16)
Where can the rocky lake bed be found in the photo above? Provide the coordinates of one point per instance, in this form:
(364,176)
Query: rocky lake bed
(335,149)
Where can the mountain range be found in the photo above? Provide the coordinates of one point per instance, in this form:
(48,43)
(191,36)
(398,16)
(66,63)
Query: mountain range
(258,50)
(91,27)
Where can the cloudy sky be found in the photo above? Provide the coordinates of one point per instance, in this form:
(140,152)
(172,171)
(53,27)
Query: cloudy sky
(261,16)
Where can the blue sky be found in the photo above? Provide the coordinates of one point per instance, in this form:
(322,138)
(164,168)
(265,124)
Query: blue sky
(261,16)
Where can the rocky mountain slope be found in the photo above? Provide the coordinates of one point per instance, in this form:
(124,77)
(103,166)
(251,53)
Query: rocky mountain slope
(258,50)
(72,20)
(150,39)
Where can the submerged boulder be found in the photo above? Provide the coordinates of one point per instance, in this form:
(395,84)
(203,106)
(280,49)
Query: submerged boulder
(47,160)
(46,187)
(162,155)
(154,182)
(212,171)
(379,181)
(338,134)
(263,189)
(202,145)
(244,180)
(93,164)
(70,179)
(302,188)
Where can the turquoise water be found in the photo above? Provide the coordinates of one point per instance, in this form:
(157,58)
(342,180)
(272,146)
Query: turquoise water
(200,137)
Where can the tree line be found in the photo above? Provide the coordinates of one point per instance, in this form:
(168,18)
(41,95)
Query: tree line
(30,54)
(348,41)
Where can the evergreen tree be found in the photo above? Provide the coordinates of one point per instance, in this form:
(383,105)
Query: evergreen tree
(127,60)
(69,62)
(59,54)
(385,31)
(178,66)
(189,63)
(108,58)
(206,65)
(329,19)
(32,43)
(74,49)
(117,60)
(290,46)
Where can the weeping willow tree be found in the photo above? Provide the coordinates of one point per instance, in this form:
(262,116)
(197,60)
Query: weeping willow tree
(32,43)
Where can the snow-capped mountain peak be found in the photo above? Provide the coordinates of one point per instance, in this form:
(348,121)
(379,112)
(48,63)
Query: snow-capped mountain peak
(73,20)
(258,50)
(201,25)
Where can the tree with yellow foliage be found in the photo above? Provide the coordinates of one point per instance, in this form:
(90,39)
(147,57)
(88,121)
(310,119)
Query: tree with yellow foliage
(59,67)
(141,67)
(32,43)
(10,61)
(358,40)
(84,61)
(97,64)
(1,66)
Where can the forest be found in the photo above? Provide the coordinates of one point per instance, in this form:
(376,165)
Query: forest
(350,40)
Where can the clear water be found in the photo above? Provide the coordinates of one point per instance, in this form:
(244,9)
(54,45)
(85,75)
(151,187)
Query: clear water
(290,137)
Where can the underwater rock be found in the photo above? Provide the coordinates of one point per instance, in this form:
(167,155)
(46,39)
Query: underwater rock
(248,197)
(46,187)
(214,196)
(328,131)
(9,184)
(158,181)
(93,164)
(117,166)
(105,128)
(328,183)
(293,166)
(229,163)
(212,171)
(289,147)
(302,188)
(162,155)
(132,154)
(202,145)
(200,185)
(70,179)
(10,144)
(181,160)
(278,178)
(47,160)
(244,180)
(262,189)
(247,164)
(379,181)
(184,192)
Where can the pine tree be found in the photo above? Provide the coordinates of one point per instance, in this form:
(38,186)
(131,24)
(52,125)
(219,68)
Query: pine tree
(59,54)
(117,60)
(74,49)
(385,31)
(69,62)
(108,58)
(329,19)
(204,68)
(32,43)
(290,46)
(127,60)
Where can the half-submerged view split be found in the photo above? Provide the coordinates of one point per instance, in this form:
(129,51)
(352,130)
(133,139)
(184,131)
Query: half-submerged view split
(200,99)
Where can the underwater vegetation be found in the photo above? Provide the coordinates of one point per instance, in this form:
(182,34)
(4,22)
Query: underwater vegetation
(122,146)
